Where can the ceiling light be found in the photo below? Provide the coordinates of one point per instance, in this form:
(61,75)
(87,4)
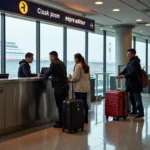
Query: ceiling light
(148,25)
(98,2)
(139,20)
(116,9)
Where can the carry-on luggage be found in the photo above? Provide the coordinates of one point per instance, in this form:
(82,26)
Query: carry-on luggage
(116,104)
(73,115)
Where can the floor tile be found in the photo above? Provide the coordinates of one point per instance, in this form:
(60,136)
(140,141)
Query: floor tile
(99,134)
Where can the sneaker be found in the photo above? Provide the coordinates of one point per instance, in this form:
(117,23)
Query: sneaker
(133,113)
(57,126)
(139,116)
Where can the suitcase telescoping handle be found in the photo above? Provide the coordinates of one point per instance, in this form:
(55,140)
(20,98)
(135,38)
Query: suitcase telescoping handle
(120,84)
(72,85)
(71,91)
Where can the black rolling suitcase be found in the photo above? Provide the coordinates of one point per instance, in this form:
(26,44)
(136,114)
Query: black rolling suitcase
(73,115)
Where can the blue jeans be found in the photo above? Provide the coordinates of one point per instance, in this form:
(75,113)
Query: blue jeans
(83,96)
(136,101)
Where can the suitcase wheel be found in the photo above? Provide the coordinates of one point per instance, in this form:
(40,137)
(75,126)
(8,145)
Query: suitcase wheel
(124,118)
(63,130)
(82,129)
(75,130)
(116,118)
(107,117)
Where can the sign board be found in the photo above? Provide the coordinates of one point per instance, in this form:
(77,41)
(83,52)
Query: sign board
(45,13)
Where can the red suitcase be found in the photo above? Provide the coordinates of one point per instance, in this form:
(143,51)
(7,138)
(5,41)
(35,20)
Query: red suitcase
(116,104)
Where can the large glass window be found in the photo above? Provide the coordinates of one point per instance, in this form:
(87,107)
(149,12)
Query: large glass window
(110,54)
(20,39)
(96,59)
(132,44)
(110,58)
(75,44)
(149,58)
(51,39)
(141,52)
(95,53)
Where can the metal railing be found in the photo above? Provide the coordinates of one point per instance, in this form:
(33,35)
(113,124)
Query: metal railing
(99,82)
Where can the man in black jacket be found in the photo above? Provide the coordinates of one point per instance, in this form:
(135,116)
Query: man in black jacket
(59,79)
(133,76)
(24,68)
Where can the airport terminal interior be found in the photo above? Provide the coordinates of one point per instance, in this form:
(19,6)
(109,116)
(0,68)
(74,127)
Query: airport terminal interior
(101,31)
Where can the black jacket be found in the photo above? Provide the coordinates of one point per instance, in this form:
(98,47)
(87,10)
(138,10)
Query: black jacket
(58,74)
(24,70)
(133,75)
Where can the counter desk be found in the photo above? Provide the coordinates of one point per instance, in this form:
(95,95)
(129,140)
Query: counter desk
(25,103)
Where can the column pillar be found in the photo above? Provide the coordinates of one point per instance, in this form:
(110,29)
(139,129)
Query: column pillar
(3,44)
(123,43)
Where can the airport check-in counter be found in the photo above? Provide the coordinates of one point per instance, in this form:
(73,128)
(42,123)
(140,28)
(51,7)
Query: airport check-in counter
(25,103)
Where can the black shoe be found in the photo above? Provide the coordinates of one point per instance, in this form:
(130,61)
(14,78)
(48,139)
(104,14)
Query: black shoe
(133,113)
(86,121)
(57,126)
(139,116)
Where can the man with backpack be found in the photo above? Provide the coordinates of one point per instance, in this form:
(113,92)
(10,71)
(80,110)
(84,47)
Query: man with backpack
(134,83)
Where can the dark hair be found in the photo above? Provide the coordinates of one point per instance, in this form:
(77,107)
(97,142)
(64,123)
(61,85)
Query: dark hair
(54,53)
(82,61)
(133,51)
(28,55)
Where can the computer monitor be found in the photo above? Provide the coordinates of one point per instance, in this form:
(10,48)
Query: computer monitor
(44,69)
(4,76)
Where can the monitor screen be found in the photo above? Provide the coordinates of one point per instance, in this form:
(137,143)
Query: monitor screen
(44,69)
(4,76)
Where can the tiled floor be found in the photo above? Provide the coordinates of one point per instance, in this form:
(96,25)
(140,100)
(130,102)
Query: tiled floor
(98,135)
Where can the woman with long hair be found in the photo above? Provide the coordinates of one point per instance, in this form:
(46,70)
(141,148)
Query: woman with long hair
(81,80)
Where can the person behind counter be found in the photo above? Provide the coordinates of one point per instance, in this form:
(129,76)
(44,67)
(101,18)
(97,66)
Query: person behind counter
(59,79)
(24,68)
(81,80)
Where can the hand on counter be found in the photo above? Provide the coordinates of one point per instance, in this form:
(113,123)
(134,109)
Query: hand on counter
(69,80)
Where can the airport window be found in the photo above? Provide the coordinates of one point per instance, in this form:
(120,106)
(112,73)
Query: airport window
(75,44)
(132,44)
(95,53)
(96,59)
(149,58)
(110,54)
(141,52)
(20,39)
(51,40)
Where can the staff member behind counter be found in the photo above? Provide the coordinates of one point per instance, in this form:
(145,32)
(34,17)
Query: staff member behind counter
(24,68)
(59,79)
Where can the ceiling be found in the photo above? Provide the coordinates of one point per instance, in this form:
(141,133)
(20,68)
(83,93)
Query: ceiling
(130,11)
